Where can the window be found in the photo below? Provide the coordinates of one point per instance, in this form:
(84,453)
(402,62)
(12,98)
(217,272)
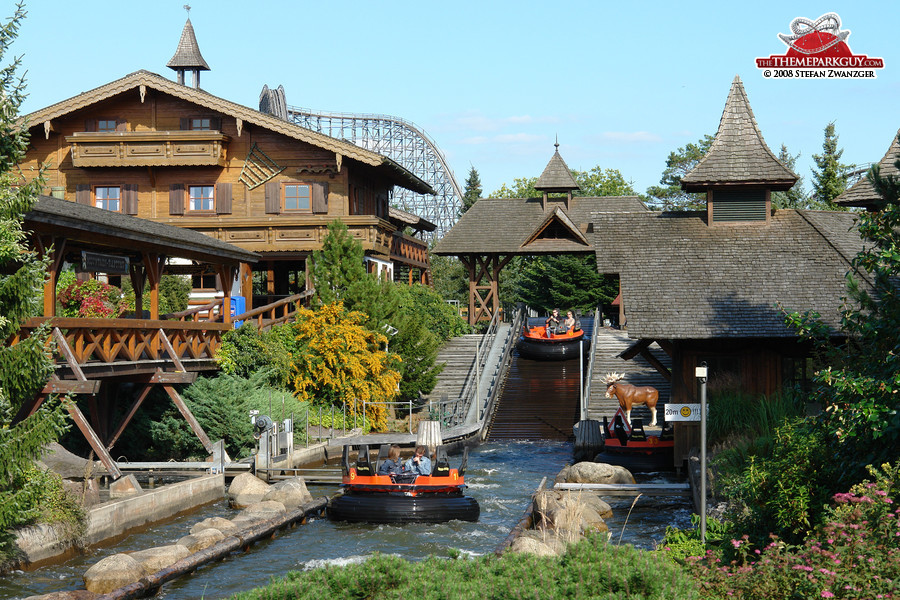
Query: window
(204,281)
(297,196)
(201,124)
(107,197)
(106,125)
(201,198)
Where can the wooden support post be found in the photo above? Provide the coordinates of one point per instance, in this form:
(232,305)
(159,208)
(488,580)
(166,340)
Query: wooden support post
(153,268)
(484,285)
(129,415)
(56,246)
(138,278)
(247,284)
(94,441)
(189,417)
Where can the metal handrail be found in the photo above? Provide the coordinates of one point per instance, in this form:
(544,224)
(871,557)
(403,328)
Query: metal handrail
(595,335)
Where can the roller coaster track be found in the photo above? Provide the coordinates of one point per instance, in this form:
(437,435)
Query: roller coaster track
(404,143)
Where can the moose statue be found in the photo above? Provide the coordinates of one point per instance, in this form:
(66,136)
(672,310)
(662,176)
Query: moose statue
(629,395)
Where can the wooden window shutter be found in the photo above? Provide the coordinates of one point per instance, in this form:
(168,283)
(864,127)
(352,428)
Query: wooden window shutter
(273,197)
(185,124)
(130,199)
(223,198)
(320,198)
(90,125)
(83,194)
(121,125)
(176,199)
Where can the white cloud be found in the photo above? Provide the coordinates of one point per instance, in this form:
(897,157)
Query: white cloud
(503,138)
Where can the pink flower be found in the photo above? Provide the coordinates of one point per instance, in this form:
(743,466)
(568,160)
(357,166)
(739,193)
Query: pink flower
(736,543)
(827,594)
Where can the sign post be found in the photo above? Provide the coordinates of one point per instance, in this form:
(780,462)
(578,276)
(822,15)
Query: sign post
(702,374)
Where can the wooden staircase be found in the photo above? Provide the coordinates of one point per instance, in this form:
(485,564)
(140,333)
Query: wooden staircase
(458,356)
(610,343)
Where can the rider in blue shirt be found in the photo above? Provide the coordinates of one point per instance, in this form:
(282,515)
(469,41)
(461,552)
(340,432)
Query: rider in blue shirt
(419,464)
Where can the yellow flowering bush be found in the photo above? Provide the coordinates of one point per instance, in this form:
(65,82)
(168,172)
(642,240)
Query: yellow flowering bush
(337,360)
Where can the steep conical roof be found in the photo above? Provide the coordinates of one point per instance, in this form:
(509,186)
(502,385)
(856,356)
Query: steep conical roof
(187,56)
(556,176)
(862,193)
(739,154)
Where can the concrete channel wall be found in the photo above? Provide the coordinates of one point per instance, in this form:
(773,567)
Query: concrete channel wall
(40,543)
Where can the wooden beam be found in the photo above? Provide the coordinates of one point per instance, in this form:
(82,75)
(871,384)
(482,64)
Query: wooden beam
(69,386)
(129,415)
(68,354)
(635,349)
(171,377)
(189,417)
(654,362)
(167,345)
(94,441)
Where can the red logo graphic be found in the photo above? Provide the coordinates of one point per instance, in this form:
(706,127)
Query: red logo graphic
(818,49)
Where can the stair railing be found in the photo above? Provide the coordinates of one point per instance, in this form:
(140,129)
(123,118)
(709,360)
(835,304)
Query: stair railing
(595,338)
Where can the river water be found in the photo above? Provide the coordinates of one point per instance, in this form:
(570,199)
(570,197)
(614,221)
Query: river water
(501,476)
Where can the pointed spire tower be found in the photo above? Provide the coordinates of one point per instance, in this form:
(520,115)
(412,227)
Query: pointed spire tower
(862,193)
(739,172)
(187,55)
(556,178)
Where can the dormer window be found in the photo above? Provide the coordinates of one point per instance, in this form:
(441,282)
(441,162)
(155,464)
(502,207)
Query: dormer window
(106,125)
(201,123)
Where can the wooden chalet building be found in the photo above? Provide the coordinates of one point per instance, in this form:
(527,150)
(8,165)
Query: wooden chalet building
(713,286)
(494,230)
(161,150)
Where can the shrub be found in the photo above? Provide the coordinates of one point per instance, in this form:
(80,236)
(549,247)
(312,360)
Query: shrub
(91,299)
(855,554)
(588,569)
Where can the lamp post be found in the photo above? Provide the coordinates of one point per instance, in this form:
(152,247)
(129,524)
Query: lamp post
(702,374)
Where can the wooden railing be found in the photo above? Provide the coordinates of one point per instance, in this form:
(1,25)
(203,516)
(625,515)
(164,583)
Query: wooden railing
(118,340)
(277,312)
(208,312)
(410,250)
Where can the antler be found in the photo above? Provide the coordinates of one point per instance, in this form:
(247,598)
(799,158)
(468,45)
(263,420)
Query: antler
(611,378)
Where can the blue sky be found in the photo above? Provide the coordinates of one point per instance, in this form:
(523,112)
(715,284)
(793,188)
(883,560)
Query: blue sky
(495,82)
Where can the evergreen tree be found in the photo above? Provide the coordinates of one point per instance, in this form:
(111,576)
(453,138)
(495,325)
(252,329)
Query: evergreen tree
(796,197)
(337,265)
(25,367)
(472,192)
(670,196)
(830,180)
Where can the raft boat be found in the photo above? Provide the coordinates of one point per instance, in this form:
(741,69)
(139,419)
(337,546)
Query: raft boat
(630,447)
(405,498)
(537,344)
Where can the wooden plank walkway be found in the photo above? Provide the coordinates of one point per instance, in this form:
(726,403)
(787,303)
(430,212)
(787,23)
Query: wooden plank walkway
(458,356)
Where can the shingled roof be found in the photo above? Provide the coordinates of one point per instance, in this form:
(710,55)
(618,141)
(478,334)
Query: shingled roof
(862,193)
(739,154)
(187,55)
(681,279)
(556,176)
(139,81)
(125,233)
(510,225)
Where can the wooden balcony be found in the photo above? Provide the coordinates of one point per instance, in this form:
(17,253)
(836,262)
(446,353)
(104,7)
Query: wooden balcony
(409,251)
(148,148)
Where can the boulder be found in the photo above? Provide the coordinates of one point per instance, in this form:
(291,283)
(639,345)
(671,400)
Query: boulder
(124,487)
(290,492)
(86,491)
(262,511)
(68,465)
(201,540)
(593,472)
(224,525)
(246,489)
(532,545)
(111,573)
(156,559)
(576,517)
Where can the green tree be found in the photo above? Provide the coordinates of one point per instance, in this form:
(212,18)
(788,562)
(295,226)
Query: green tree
(859,389)
(25,367)
(670,196)
(796,197)
(830,179)
(472,192)
(338,265)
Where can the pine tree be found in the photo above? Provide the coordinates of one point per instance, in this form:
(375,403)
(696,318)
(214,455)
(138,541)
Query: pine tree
(25,367)
(337,265)
(472,192)
(796,197)
(830,180)
(670,196)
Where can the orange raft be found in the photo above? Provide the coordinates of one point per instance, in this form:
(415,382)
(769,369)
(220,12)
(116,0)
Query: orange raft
(536,344)
(405,498)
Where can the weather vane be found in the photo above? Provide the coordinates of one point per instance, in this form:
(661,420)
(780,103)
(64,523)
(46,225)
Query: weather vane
(187,7)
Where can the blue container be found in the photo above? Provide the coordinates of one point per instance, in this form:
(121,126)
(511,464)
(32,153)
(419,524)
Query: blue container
(238,307)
